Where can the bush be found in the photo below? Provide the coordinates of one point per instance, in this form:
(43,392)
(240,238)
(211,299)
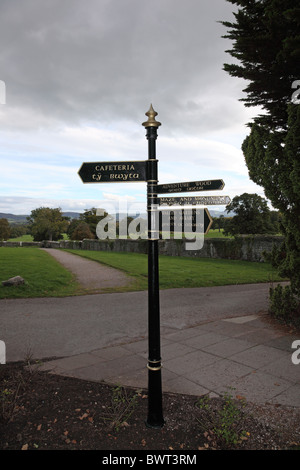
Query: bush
(82,231)
(284,305)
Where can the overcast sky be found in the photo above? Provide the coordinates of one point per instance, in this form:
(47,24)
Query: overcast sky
(80,77)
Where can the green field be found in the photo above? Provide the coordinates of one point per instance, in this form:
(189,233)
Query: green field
(44,276)
(23,238)
(178,271)
(216,233)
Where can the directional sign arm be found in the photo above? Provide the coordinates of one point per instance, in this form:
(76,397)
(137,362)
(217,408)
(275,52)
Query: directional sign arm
(208,185)
(193,200)
(113,172)
(185,220)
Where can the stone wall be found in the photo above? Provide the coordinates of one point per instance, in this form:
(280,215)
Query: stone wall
(14,244)
(249,248)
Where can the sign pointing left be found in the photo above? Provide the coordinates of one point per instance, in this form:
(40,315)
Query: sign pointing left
(113,172)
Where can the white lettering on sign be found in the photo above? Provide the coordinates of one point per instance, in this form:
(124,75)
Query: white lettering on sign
(114,167)
(123,176)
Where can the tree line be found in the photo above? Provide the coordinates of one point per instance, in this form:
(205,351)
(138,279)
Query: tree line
(252,216)
(45,223)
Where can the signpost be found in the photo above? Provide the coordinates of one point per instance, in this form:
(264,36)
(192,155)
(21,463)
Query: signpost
(155,413)
(209,185)
(113,172)
(185,221)
(193,200)
(137,171)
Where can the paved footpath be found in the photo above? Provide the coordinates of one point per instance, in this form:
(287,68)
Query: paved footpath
(214,340)
(90,274)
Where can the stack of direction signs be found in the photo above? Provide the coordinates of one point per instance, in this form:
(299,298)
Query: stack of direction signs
(186,220)
(175,220)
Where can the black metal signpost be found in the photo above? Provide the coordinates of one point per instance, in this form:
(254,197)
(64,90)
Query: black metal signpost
(137,171)
(155,413)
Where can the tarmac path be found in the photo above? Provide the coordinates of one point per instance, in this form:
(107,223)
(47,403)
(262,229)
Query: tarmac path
(58,327)
(90,274)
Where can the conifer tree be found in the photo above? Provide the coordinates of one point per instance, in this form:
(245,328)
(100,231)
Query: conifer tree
(266,43)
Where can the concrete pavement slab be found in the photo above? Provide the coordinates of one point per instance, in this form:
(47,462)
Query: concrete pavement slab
(223,364)
(258,356)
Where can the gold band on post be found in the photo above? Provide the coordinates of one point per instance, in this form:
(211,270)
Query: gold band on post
(154,367)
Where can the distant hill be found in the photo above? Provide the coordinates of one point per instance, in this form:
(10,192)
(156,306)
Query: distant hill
(14,219)
(218,213)
(72,215)
(22,219)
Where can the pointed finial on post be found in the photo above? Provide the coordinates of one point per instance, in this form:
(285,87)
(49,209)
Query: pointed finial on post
(151,118)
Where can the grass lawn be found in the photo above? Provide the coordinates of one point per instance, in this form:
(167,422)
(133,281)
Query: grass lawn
(23,238)
(186,272)
(44,276)
(216,233)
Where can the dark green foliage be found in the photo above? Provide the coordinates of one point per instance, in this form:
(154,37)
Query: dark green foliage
(47,224)
(72,227)
(4,229)
(284,305)
(252,216)
(82,231)
(92,219)
(273,160)
(275,164)
(18,230)
(266,43)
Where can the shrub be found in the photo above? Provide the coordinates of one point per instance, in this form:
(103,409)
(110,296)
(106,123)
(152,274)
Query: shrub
(284,305)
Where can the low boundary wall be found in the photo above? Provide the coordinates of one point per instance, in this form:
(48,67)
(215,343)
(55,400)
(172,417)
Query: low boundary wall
(249,248)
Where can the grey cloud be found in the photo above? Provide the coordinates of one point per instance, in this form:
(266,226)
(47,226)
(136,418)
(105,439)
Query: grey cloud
(75,62)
